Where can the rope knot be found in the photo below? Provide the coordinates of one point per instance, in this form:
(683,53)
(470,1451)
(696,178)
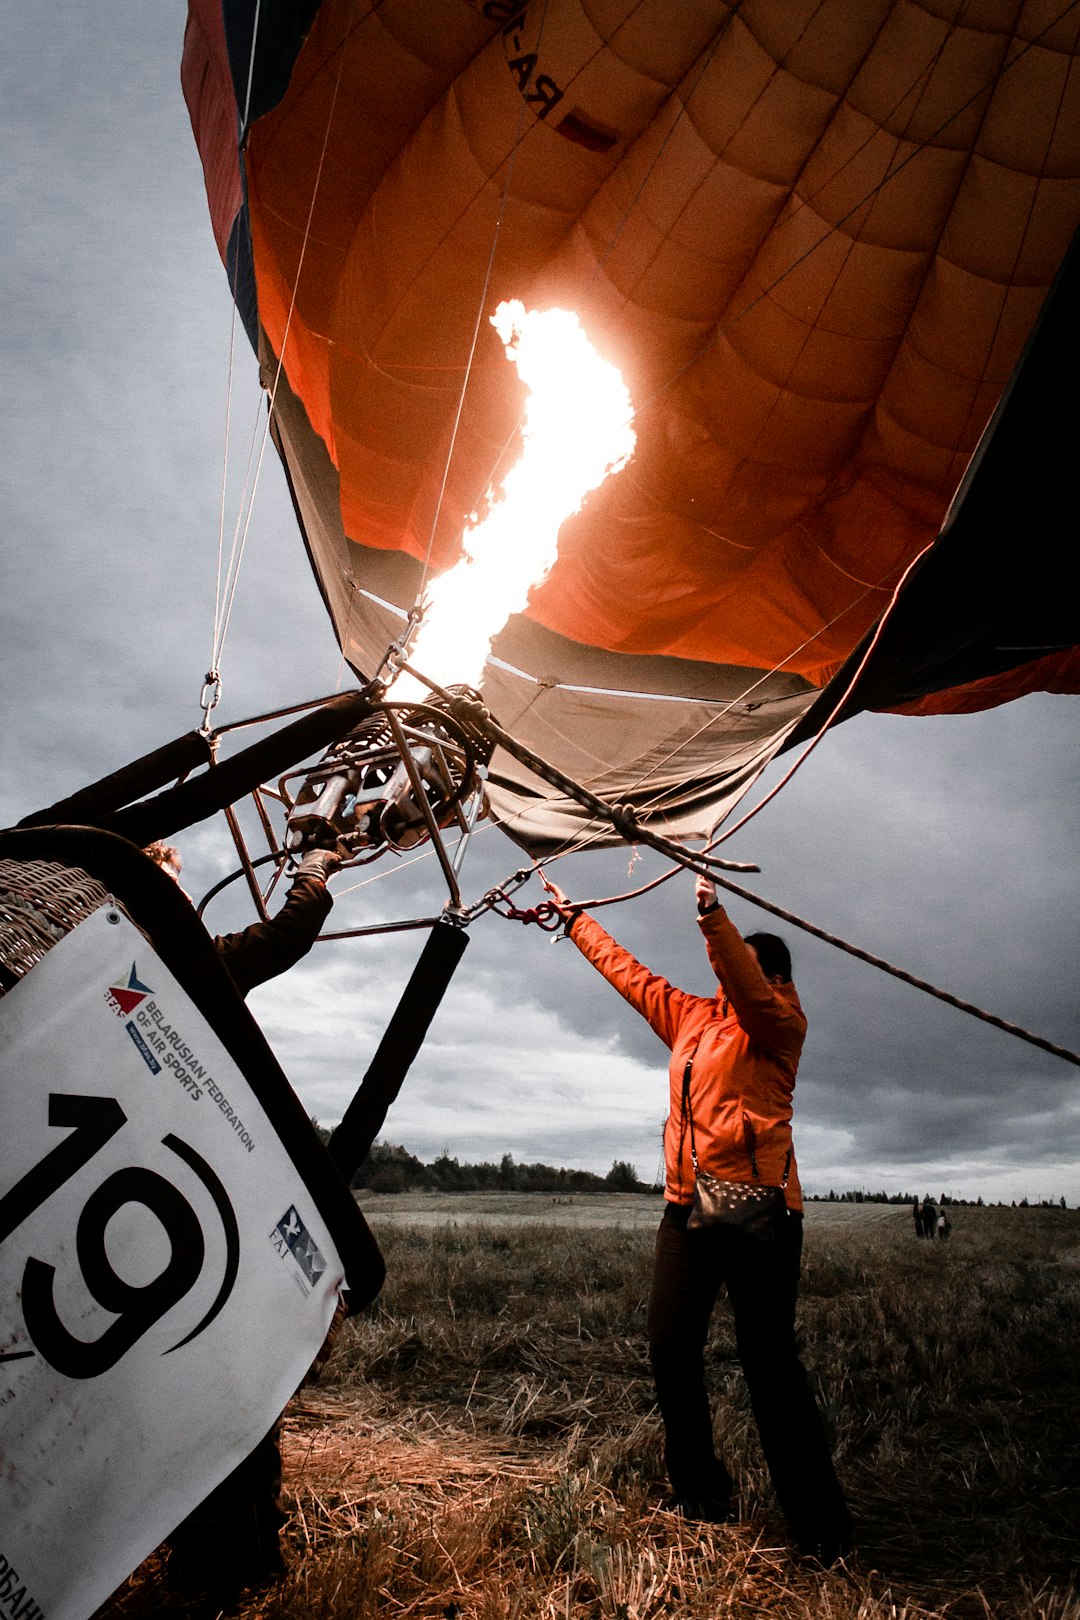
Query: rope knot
(625,821)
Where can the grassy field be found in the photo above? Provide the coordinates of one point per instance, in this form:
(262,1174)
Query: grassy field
(483,1444)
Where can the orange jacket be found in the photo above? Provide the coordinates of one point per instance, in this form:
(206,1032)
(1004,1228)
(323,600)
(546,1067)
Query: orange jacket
(744,1044)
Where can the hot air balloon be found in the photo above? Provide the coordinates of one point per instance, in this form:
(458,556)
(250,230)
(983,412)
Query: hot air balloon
(815,240)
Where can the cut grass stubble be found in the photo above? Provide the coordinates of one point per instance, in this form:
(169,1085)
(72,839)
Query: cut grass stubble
(484,1443)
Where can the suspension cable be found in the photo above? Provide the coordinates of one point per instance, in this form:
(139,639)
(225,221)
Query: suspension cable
(900,973)
(226,599)
(550,917)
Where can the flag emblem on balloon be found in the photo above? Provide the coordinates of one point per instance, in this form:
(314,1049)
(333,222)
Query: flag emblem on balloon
(127,994)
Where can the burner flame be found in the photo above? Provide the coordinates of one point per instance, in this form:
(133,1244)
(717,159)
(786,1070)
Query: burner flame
(576,429)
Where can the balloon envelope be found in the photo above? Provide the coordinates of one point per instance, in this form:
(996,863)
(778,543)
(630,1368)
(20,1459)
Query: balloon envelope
(815,240)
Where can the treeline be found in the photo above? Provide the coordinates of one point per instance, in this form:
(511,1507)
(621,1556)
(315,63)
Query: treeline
(392,1169)
(945,1201)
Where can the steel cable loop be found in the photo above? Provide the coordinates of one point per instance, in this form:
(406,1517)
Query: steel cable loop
(547,915)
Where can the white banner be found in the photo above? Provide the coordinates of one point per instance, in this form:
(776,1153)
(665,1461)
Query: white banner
(165,1277)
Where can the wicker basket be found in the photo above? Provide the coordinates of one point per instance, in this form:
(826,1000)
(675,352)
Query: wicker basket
(40,902)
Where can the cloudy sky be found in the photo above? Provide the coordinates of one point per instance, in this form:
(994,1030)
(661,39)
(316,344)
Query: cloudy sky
(947,846)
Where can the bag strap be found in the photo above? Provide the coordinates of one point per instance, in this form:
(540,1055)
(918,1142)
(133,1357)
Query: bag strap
(748,1129)
(687,1111)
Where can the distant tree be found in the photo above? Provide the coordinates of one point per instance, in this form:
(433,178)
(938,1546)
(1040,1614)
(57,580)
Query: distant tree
(623,1177)
(389,1168)
(537,1178)
(447,1174)
(322,1131)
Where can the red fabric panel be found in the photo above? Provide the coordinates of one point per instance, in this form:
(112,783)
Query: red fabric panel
(208,91)
(1058,673)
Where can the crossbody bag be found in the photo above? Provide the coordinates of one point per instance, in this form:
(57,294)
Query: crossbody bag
(755,1207)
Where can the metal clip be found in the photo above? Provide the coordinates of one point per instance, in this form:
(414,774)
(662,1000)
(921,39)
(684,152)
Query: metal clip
(209,698)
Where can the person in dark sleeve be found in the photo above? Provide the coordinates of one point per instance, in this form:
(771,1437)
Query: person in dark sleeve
(265,949)
(232,1540)
(734,1058)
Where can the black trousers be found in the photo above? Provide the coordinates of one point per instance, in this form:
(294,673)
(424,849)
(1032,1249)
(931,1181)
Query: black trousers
(762,1281)
(231,1539)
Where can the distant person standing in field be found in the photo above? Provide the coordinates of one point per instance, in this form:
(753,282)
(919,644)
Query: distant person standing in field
(916,1210)
(929,1219)
(732,1073)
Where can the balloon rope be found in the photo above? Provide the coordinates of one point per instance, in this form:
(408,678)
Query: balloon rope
(251,69)
(900,973)
(212,672)
(497,900)
(541,914)
(247,499)
(212,679)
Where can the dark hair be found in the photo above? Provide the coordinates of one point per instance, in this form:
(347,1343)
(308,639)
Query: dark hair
(773,955)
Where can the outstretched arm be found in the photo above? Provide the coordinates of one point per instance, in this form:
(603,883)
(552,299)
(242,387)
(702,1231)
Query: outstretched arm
(660,1003)
(264,950)
(768,1017)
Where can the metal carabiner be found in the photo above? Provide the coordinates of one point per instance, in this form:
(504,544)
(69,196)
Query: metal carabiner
(209,698)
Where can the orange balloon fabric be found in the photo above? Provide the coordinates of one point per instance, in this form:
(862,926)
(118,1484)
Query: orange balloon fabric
(813,237)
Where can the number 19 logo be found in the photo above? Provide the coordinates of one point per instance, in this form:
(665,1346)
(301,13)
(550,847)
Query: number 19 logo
(94,1121)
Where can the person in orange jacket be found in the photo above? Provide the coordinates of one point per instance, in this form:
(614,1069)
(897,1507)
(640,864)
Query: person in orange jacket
(734,1058)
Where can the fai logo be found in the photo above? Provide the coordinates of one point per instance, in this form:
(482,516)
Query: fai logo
(290,1235)
(127,994)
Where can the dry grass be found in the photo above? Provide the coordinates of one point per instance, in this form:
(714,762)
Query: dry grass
(484,1446)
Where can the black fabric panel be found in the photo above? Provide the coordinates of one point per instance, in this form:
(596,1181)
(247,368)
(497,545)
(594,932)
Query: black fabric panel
(142,776)
(283,27)
(240,267)
(998,589)
(330,509)
(159,907)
